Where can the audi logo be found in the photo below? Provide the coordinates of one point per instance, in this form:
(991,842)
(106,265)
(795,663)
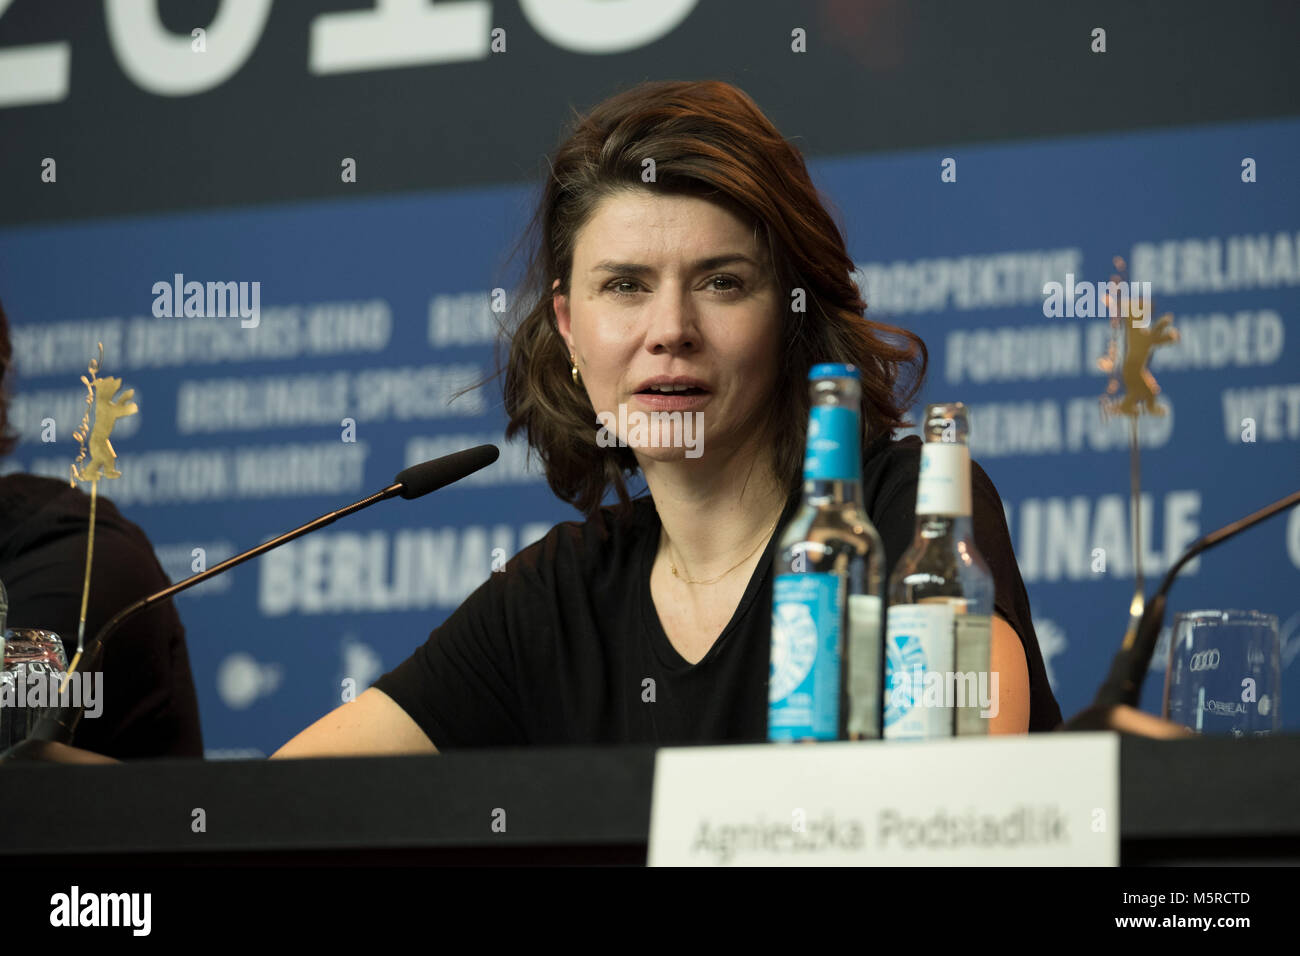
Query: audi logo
(1205,660)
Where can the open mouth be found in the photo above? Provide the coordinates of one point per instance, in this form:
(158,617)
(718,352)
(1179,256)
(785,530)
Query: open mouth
(672,390)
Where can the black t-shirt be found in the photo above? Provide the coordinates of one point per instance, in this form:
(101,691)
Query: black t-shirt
(558,648)
(148,700)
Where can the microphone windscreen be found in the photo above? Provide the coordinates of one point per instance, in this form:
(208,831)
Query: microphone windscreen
(431,475)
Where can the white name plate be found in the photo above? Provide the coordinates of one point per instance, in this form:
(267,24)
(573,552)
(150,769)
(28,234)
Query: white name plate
(1025,800)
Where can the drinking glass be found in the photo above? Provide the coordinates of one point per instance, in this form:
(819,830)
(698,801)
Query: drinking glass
(29,653)
(1225,673)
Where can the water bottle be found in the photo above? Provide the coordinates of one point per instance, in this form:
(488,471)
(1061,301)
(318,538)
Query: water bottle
(827,607)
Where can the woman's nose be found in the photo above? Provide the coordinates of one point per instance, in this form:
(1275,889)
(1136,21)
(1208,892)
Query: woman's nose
(672,322)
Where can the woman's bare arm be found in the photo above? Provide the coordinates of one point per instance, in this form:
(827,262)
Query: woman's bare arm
(1008,662)
(372,725)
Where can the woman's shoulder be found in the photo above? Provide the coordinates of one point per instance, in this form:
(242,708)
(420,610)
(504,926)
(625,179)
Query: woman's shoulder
(887,452)
(39,510)
(892,466)
(606,539)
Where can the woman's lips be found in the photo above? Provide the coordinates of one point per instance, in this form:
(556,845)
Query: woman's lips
(674,402)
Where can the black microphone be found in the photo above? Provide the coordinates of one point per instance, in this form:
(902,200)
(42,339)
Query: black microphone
(1123,684)
(58,724)
(431,475)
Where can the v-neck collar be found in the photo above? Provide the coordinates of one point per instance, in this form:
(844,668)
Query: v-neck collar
(652,627)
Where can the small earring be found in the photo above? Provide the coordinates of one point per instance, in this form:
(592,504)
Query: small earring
(574,370)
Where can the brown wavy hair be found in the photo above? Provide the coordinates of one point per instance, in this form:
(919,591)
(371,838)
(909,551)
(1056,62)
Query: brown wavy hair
(707,139)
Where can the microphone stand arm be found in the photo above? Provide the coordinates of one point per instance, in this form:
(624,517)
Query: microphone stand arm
(1123,685)
(59,724)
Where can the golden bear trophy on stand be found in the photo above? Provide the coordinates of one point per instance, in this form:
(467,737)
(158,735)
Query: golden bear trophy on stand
(108,406)
(49,739)
(1130,319)
(1131,392)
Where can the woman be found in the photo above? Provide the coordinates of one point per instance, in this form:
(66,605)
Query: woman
(683,262)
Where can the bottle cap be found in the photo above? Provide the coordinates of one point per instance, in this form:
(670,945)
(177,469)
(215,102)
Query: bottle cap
(834,370)
(946,422)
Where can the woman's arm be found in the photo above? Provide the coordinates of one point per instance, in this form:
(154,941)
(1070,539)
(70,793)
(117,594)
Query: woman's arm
(1007,660)
(458,687)
(372,725)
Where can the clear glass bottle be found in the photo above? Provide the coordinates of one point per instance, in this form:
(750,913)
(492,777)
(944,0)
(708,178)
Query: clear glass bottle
(938,630)
(827,609)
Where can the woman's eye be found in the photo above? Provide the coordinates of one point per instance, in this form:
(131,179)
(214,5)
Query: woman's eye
(730,288)
(616,283)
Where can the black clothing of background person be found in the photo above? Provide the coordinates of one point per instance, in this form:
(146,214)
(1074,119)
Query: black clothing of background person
(149,704)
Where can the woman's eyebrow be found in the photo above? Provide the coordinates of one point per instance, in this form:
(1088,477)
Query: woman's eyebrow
(637,269)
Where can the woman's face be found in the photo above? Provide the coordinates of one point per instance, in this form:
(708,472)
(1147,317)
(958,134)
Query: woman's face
(670,289)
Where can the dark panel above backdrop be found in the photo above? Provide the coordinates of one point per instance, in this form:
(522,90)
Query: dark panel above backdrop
(422,101)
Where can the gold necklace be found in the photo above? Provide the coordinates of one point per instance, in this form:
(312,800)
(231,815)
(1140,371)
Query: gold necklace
(687,580)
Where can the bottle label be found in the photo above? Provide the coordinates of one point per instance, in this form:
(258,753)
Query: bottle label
(943,487)
(804,687)
(918,662)
(864,653)
(834,450)
(973,636)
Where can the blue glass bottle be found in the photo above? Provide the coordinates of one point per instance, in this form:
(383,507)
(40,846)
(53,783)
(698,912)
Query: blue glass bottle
(825,681)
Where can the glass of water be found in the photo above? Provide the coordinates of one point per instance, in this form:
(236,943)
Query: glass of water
(1225,673)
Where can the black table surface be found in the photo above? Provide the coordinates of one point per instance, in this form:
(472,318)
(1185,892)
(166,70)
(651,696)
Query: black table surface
(1204,800)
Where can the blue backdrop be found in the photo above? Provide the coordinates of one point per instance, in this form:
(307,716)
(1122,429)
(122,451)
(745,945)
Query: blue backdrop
(377,310)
